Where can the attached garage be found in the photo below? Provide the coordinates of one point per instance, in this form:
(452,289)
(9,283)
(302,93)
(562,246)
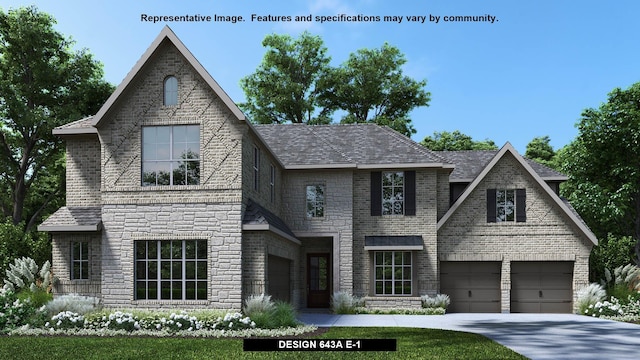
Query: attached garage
(472,286)
(279,276)
(541,287)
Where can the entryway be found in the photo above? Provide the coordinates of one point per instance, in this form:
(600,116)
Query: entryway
(318,280)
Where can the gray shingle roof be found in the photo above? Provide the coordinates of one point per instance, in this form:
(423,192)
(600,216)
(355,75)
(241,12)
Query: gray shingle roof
(299,145)
(471,162)
(74,219)
(255,214)
(82,126)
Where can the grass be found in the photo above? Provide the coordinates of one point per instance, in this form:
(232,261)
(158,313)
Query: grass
(412,344)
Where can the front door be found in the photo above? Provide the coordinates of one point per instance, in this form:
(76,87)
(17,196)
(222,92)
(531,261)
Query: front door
(318,281)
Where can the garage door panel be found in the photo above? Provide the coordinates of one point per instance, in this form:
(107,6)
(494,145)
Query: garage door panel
(472,286)
(541,286)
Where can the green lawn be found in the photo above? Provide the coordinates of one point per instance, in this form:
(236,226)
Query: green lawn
(412,344)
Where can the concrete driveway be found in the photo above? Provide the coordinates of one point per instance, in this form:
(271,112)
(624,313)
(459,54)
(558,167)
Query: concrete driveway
(536,336)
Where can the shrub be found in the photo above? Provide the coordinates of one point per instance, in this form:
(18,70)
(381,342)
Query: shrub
(66,320)
(438,301)
(15,243)
(75,303)
(258,304)
(121,321)
(345,303)
(283,315)
(589,296)
(15,312)
(605,308)
(24,274)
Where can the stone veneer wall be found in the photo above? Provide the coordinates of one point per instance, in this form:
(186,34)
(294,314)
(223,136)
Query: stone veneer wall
(336,224)
(216,223)
(61,264)
(545,236)
(423,224)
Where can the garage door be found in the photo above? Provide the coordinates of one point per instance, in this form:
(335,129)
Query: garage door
(542,287)
(279,273)
(472,286)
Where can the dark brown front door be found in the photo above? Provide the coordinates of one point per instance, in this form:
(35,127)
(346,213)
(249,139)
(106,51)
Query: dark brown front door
(318,280)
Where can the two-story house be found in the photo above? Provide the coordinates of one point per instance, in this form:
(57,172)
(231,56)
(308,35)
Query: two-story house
(175,199)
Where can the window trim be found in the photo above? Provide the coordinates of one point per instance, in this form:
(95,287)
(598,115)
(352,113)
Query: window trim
(169,95)
(317,205)
(82,263)
(182,260)
(410,193)
(519,206)
(272,183)
(393,266)
(171,161)
(256,168)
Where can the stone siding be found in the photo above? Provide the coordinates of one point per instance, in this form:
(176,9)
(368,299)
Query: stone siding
(545,236)
(218,224)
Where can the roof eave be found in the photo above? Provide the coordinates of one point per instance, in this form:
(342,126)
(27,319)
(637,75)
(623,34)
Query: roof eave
(70,228)
(75,131)
(167,34)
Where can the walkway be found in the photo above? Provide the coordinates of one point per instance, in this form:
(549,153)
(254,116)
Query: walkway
(536,336)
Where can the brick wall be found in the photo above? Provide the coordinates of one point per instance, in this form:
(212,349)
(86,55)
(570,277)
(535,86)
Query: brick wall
(423,224)
(546,235)
(83,171)
(61,264)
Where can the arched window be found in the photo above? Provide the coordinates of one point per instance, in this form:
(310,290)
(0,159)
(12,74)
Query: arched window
(170,91)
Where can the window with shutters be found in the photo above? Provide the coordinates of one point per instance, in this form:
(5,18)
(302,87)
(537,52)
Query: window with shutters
(393,193)
(506,205)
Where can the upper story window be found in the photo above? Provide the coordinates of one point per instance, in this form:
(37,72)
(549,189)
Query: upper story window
(272,183)
(171,155)
(506,205)
(393,193)
(170,91)
(315,201)
(256,168)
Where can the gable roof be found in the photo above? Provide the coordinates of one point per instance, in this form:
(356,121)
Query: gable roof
(300,146)
(469,163)
(508,148)
(166,35)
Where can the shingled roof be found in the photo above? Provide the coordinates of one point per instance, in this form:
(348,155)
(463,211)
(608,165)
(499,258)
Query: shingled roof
(300,146)
(74,219)
(468,164)
(257,217)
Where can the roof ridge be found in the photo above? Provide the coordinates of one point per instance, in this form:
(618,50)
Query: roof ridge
(414,144)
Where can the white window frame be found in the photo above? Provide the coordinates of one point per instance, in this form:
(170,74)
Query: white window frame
(315,204)
(394,205)
(506,209)
(176,264)
(173,162)
(170,91)
(383,277)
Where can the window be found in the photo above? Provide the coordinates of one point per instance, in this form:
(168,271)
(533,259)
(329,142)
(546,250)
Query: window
(170,91)
(393,193)
(272,183)
(171,270)
(506,205)
(79,260)
(392,272)
(171,155)
(315,201)
(256,168)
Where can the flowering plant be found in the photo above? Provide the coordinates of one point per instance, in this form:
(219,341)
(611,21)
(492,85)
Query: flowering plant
(65,320)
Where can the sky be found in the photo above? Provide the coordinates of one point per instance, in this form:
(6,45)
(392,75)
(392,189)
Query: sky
(531,72)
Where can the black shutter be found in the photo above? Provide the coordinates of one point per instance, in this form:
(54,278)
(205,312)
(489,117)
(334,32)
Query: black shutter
(376,193)
(491,205)
(410,193)
(521,200)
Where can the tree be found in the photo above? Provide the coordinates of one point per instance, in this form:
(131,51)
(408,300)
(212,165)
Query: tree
(541,151)
(371,87)
(285,87)
(450,141)
(43,84)
(603,165)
